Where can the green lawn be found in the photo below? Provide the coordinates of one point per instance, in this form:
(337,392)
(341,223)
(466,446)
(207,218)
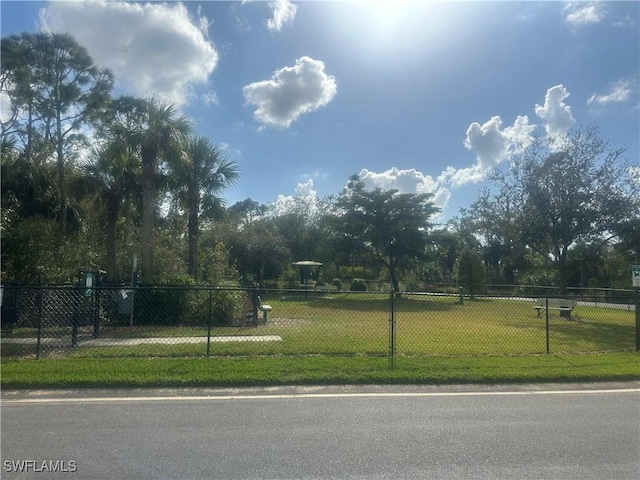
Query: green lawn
(344,339)
(245,371)
(344,324)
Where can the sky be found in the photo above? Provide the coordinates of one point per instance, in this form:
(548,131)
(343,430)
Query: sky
(420,96)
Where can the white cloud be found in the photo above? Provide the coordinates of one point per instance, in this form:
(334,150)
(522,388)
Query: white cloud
(626,22)
(492,145)
(489,143)
(152,48)
(210,98)
(580,14)
(520,134)
(306,189)
(304,192)
(555,112)
(406,181)
(620,92)
(229,150)
(283,12)
(5,107)
(290,92)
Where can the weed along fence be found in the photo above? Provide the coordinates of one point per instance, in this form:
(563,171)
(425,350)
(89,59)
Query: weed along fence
(55,321)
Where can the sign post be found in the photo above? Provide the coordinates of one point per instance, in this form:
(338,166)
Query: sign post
(635,276)
(134,284)
(88,283)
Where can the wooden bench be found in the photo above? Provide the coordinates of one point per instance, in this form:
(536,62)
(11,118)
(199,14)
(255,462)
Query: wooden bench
(560,304)
(264,308)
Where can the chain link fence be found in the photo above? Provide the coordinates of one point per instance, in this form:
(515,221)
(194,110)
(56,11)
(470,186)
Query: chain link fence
(105,322)
(428,324)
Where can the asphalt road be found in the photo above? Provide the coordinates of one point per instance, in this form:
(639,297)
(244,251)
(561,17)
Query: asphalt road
(556,432)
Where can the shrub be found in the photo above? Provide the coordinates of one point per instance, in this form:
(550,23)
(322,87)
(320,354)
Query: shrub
(336,282)
(227,306)
(350,272)
(320,283)
(358,285)
(270,284)
(290,278)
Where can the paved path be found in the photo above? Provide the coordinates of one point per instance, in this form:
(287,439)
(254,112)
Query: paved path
(84,341)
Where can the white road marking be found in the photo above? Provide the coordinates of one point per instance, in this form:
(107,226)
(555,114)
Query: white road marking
(199,398)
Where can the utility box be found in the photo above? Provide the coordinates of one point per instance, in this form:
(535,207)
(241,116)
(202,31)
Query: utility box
(125,302)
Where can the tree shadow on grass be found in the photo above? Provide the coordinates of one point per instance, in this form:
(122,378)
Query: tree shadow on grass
(372,303)
(589,335)
(579,334)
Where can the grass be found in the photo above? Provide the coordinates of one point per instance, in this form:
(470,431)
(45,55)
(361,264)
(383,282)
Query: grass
(245,371)
(346,324)
(343,338)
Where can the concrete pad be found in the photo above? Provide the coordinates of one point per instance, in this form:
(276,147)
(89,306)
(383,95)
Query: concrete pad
(116,342)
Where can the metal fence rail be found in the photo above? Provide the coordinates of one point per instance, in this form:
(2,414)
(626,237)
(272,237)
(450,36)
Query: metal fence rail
(49,321)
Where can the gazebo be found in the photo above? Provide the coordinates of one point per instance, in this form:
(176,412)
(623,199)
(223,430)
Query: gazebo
(307,270)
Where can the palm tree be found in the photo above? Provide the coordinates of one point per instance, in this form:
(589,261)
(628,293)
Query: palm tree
(158,135)
(111,177)
(197,179)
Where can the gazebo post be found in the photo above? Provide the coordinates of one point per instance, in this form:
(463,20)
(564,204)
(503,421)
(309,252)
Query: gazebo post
(305,269)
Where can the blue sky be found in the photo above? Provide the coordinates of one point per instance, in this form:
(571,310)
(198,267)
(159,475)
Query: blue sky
(419,96)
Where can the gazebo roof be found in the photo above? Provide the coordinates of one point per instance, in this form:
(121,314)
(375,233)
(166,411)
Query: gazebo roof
(307,263)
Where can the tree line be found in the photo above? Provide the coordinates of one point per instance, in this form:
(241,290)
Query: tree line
(89,180)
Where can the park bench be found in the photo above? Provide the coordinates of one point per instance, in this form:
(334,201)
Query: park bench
(560,304)
(264,308)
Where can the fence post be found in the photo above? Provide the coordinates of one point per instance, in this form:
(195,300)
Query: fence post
(96,312)
(209,323)
(392,329)
(546,315)
(637,319)
(133,302)
(254,304)
(74,318)
(39,301)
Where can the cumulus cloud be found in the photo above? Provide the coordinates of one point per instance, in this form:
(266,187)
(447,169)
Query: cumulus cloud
(492,145)
(304,192)
(283,12)
(555,112)
(153,48)
(5,107)
(620,92)
(305,189)
(290,92)
(580,14)
(406,181)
